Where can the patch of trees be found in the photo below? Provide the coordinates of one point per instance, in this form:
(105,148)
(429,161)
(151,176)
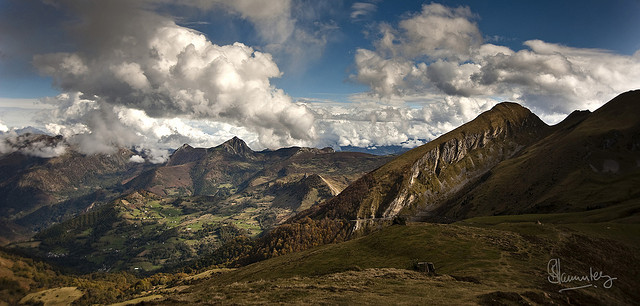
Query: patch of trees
(299,236)
(25,275)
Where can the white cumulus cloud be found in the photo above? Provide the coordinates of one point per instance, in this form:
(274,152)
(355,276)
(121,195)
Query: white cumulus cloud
(136,159)
(144,61)
(440,51)
(92,127)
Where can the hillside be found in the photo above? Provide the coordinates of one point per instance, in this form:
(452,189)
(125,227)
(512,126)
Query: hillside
(140,232)
(591,160)
(32,282)
(19,276)
(486,260)
(36,192)
(506,161)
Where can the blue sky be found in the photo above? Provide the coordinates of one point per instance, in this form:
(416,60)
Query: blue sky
(361,73)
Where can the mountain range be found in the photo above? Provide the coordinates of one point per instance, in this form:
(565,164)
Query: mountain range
(500,178)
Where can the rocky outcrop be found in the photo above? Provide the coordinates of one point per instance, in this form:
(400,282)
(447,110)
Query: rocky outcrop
(457,161)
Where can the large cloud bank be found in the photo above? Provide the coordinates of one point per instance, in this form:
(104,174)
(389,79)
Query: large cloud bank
(441,51)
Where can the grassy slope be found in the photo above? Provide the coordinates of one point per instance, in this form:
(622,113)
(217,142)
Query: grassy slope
(482,260)
(25,280)
(55,296)
(19,276)
(140,232)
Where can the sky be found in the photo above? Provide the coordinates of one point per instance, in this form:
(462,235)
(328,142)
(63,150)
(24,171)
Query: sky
(153,74)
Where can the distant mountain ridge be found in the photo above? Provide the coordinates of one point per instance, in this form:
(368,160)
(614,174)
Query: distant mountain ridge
(38,191)
(232,166)
(172,213)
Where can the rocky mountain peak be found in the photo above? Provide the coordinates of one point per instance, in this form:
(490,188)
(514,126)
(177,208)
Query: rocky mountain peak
(510,114)
(510,106)
(236,146)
